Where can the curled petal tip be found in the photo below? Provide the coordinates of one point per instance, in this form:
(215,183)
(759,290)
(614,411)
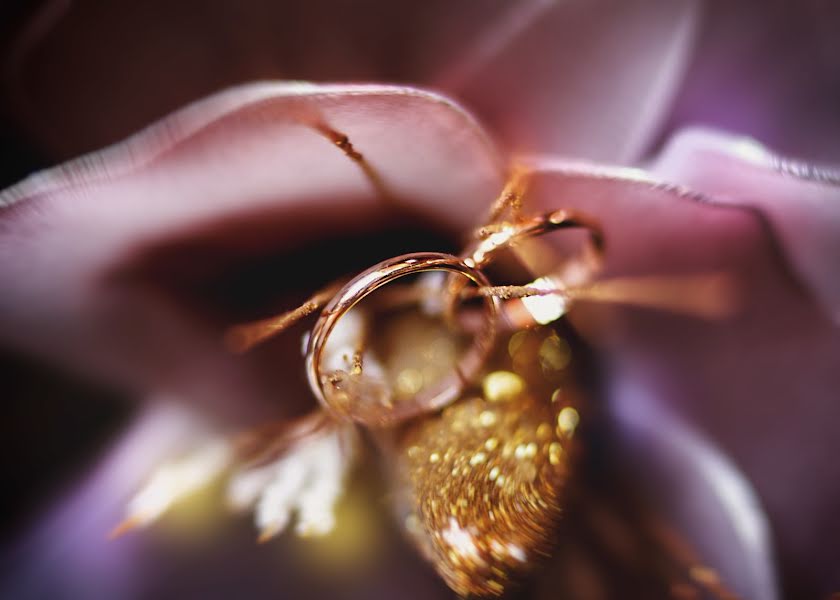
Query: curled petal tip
(268,533)
(126,525)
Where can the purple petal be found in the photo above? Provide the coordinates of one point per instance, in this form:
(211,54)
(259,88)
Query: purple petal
(67,554)
(70,543)
(695,488)
(585,79)
(768,71)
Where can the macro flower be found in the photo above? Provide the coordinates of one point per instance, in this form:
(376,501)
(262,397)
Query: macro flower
(126,265)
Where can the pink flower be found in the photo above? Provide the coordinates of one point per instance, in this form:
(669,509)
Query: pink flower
(126,264)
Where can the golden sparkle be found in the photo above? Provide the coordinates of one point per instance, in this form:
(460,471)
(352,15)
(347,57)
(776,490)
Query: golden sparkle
(483,509)
(502,386)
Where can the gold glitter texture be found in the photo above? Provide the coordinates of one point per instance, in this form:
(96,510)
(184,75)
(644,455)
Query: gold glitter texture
(483,481)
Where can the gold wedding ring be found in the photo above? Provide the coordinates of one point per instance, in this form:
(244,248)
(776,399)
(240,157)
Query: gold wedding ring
(506,235)
(437,395)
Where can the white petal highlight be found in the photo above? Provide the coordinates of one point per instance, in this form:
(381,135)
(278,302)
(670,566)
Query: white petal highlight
(246,487)
(174,481)
(545,309)
(306,482)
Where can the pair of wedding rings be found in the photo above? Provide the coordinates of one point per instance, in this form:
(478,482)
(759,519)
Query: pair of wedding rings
(470,268)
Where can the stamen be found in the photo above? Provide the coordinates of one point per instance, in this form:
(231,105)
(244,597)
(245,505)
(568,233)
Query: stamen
(708,295)
(262,445)
(511,196)
(342,141)
(508,292)
(240,338)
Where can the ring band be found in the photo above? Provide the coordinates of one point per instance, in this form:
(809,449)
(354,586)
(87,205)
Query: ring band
(441,394)
(583,264)
(481,252)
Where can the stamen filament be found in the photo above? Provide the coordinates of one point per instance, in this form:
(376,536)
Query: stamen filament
(240,338)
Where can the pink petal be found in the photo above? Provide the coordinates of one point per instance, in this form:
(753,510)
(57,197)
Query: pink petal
(761,384)
(801,202)
(240,173)
(585,79)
